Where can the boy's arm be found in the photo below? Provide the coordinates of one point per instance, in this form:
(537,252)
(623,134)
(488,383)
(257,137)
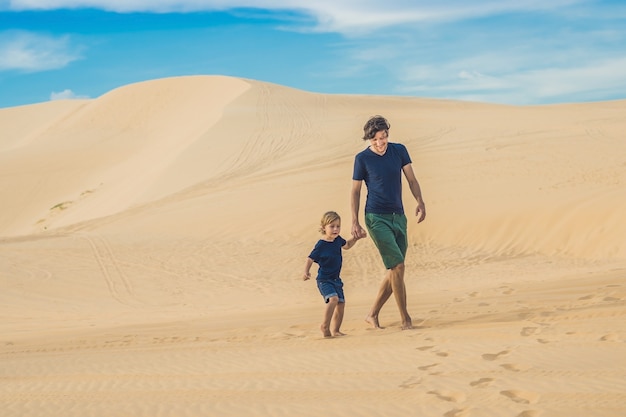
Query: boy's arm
(352,241)
(307,269)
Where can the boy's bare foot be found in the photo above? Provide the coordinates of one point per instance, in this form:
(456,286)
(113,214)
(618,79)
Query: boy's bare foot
(338,333)
(325,331)
(373,321)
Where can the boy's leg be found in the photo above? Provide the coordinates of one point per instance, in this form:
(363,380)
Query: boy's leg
(338,319)
(328,315)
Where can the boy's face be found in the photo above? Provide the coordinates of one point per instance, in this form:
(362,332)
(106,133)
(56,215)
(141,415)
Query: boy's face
(379,142)
(331,230)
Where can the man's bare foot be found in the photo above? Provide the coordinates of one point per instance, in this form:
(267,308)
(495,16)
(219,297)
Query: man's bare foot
(373,321)
(338,333)
(407,325)
(325,331)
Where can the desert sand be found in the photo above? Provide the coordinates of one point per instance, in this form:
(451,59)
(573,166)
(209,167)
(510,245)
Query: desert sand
(152,242)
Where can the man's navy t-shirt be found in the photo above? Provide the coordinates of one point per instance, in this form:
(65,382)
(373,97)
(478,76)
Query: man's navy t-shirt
(383,177)
(328,256)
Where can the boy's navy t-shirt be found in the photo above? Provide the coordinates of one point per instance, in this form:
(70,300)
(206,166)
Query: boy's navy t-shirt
(383,177)
(328,256)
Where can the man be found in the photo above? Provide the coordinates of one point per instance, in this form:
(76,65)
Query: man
(381,166)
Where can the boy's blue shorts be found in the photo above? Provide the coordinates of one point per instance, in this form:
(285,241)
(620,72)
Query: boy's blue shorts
(331,289)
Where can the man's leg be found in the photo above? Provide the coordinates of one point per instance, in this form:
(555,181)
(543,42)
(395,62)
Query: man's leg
(396,281)
(389,236)
(384,292)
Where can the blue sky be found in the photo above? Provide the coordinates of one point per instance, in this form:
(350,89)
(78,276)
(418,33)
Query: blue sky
(499,51)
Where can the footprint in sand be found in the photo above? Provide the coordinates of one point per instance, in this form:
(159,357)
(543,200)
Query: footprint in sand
(611,337)
(522,397)
(411,383)
(527,331)
(494,356)
(456,413)
(424,347)
(481,383)
(511,367)
(529,413)
(427,367)
(506,290)
(455,397)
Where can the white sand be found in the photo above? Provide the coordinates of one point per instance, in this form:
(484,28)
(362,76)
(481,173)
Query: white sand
(152,243)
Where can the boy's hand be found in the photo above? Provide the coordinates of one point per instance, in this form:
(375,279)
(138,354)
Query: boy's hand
(306,276)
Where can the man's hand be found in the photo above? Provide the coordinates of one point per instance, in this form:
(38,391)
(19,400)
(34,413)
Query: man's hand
(358,232)
(420,212)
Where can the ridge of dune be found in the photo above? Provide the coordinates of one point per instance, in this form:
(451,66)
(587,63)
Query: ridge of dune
(22,124)
(116,145)
(165,155)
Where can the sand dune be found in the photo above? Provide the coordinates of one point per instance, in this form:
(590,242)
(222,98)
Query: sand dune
(152,240)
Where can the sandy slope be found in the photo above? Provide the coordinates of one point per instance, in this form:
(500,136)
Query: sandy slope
(153,239)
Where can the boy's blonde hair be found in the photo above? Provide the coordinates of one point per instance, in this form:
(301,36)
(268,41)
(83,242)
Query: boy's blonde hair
(328,218)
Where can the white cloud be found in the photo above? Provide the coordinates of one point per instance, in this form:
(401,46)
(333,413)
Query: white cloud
(470,75)
(590,81)
(599,78)
(548,52)
(33,52)
(346,16)
(65,95)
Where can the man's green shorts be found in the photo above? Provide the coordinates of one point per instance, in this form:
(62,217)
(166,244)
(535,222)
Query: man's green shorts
(388,231)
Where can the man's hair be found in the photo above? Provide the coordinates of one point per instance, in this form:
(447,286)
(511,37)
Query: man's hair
(328,218)
(373,125)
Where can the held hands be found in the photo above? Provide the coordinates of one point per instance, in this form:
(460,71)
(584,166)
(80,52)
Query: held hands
(358,232)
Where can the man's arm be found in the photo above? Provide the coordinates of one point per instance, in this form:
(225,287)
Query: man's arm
(416,190)
(355,200)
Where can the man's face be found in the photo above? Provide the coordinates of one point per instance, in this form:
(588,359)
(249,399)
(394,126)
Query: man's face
(379,142)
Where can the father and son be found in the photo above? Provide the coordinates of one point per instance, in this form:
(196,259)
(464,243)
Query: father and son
(380,166)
